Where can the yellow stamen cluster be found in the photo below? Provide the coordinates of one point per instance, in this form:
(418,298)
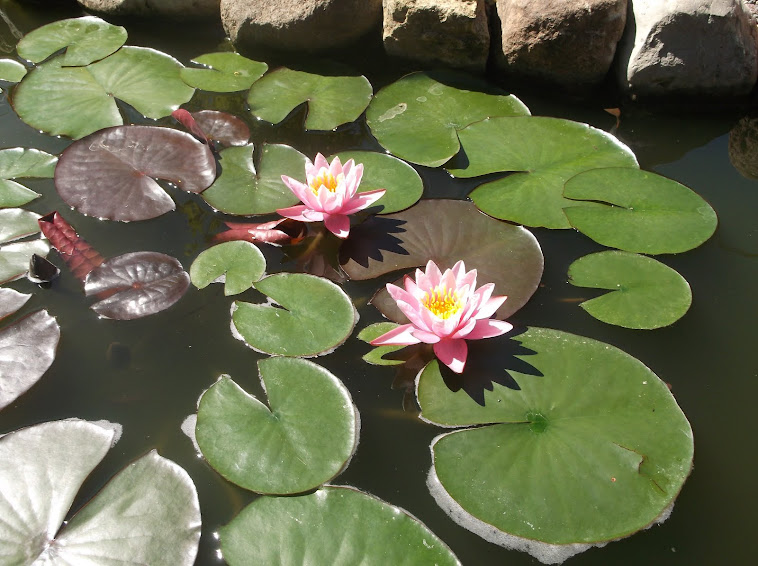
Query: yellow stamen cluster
(442,302)
(326,179)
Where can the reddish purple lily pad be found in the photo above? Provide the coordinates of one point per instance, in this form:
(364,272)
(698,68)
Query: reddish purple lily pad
(111,173)
(222,127)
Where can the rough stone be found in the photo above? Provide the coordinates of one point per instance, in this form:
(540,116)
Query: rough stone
(559,41)
(191,9)
(297,25)
(452,33)
(743,147)
(689,47)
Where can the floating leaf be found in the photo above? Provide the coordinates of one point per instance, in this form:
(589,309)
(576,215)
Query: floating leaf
(136,284)
(27,348)
(376,355)
(80,257)
(110,174)
(299,327)
(244,189)
(331,100)
(19,162)
(594,449)
(147,514)
(649,213)
(645,293)
(544,153)
(86,40)
(17,223)
(11,300)
(11,71)
(225,72)
(381,171)
(15,257)
(306,438)
(222,127)
(238,264)
(445,231)
(419,116)
(339,526)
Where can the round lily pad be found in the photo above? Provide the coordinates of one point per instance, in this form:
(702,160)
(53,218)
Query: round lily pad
(314,318)
(417,118)
(238,264)
(332,100)
(17,223)
(14,258)
(224,72)
(304,439)
(645,293)
(543,153)
(336,525)
(11,71)
(593,447)
(645,212)
(17,162)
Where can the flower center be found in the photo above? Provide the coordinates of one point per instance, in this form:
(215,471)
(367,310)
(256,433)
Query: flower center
(325,179)
(442,302)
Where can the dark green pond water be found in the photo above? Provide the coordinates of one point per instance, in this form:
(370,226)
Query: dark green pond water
(148,374)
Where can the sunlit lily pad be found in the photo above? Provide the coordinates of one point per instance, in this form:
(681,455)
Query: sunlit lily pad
(381,171)
(11,300)
(332,100)
(305,438)
(445,231)
(648,213)
(14,258)
(27,348)
(110,174)
(544,153)
(315,316)
(594,449)
(238,264)
(85,40)
(246,187)
(645,293)
(18,162)
(224,72)
(339,526)
(11,71)
(147,514)
(136,284)
(17,223)
(376,355)
(418,117)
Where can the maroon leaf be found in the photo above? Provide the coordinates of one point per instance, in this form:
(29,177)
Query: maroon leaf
(136,284)
(188,121)
(276,232)
(111,173)
(224,128)
(79,256)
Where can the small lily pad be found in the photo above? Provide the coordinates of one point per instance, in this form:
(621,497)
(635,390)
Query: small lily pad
(224,72)
(15,257)
(314,318)
(238,264)
(18,162)
(304,439)
(222,127)
(645,212)
(11,300)
(645,293)
(331,100)
(11,71)
(17,223)
(376,355)
(336,525)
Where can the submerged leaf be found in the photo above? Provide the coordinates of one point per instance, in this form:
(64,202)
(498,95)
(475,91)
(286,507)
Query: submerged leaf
(224,72)
(80,257)
(276,232)
(239,264)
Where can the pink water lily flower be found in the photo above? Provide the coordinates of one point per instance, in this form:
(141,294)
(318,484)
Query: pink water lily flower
(330,195)
(445,309)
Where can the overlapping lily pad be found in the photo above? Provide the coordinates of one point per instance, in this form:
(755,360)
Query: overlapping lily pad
(645,212)
(304,439)
(147,514)
(332,100)
(222,127)
(318,529)
(445,231)
(17,223)
(19,162)
(14,258)
(645,293)
(224,72)
(418,117)
(543,153)
(238,264)
(11,71)
(594,449)
(310,316)
(376,355)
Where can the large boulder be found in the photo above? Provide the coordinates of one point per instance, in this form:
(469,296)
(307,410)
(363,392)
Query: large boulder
(299,25)
(559,41)
(172,8)
(452,33)
(689,47)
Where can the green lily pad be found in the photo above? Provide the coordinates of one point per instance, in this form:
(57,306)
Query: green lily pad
(238,264)
(225,72)
(11,71)
(381,171)
(544,153)
(418,117)
(14,258)
(648,213)
(11,300)
(592,450)
(245,189)
(336,525)
(645,293)
(332,101)
(17,223)
(376,355)
(19,162)
(315,316)
(76,101)
(306,438)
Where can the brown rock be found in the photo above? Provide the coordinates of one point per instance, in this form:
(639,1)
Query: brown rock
(173,8)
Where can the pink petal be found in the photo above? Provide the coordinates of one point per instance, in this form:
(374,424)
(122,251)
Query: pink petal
(337,224)
(336,167)
(488,309)
(465,329)
(298,189)
(400,336)
(313,215)
(488,328)
(354,179)
(414,315)
(425,336)
(459,269)
(320,163)
(295,212)
(362,200)
(399,294)
(452,353)
(433,274)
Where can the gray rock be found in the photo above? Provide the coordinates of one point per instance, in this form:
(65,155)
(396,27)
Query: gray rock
(452,33)
(293,25)
(559,41)
(175,8)
(689,47)
(743,147)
